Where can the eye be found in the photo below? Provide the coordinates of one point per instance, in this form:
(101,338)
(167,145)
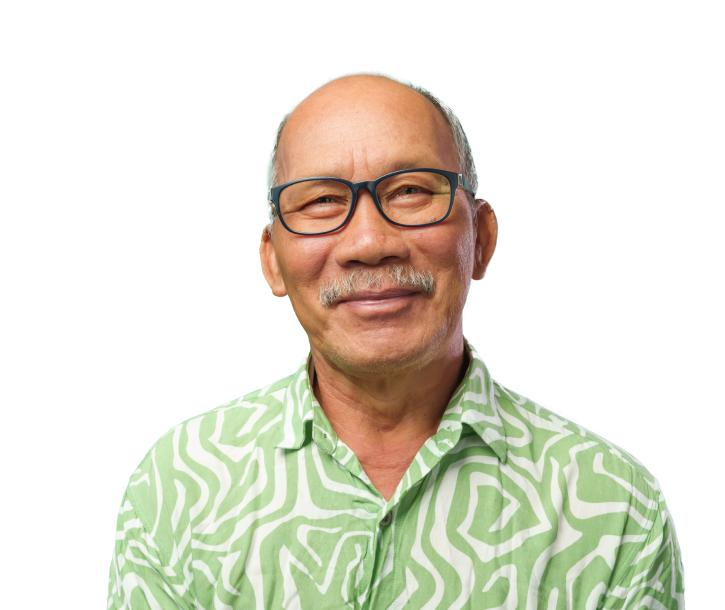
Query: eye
(410,193)
(409,190)
(325,199)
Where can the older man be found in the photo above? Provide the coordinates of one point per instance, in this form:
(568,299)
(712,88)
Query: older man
(390,470)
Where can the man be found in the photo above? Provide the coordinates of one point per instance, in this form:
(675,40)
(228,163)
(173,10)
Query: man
(390,470)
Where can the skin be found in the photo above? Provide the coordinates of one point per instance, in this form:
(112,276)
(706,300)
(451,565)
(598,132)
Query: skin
(387,363)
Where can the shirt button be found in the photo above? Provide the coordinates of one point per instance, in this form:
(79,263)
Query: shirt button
(387,519)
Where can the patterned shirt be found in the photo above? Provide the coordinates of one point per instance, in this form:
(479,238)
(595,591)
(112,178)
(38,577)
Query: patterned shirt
(258,504)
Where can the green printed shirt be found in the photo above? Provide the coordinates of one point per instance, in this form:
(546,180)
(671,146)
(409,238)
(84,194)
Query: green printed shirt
(258,504)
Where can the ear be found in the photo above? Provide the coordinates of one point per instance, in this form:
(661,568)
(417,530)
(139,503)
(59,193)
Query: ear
(270,268)
(486,236)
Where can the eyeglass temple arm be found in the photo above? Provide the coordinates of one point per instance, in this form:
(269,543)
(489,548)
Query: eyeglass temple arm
(465,184)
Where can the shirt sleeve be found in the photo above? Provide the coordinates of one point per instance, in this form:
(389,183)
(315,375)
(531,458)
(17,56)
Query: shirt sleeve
(654,577)
(141,576)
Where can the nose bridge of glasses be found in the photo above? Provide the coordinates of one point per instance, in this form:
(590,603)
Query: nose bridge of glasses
(365,191)
(362,187)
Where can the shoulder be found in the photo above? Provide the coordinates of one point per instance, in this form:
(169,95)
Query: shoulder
(201,448)
(533,432)
(607,503)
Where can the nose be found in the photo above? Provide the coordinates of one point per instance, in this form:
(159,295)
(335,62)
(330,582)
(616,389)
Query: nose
(368,238)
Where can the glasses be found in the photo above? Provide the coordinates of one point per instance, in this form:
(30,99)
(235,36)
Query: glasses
(407,198)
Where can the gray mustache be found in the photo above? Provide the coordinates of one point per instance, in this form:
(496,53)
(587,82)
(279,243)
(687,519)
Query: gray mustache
(398,275)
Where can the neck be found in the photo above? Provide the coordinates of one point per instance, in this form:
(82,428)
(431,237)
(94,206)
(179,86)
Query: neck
(385,419)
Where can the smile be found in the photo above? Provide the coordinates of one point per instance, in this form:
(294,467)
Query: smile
(379,301)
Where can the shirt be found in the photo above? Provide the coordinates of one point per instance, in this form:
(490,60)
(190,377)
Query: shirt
(258,504)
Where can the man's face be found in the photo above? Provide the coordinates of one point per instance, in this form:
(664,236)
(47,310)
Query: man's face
(360,128)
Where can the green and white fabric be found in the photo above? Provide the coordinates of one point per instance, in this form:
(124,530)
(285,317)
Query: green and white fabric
(257,504)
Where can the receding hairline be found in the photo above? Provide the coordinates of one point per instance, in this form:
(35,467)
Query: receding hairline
(430,104)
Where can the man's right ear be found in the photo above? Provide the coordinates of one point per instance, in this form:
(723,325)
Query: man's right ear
(270,266)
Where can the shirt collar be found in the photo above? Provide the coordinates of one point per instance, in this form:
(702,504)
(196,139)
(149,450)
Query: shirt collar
(474,403)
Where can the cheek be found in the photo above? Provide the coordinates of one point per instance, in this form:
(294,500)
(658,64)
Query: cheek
(448,254)
(466,255)
(302,261)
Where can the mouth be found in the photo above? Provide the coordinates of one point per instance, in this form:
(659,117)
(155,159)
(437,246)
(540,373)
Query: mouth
(379,301)
(368,296)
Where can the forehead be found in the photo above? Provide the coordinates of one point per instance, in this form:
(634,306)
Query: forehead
(361,128)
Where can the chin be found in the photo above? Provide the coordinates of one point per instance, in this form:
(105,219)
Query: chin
(389,354)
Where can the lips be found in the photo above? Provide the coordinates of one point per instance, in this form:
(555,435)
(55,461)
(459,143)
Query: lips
(378,295)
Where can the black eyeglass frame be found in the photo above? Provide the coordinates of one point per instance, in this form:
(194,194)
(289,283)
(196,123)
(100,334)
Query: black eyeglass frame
(454,179)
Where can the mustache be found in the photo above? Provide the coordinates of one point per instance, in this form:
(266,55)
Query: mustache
(397,275)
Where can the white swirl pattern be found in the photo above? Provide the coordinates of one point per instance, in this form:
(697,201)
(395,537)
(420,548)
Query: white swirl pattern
(258,504)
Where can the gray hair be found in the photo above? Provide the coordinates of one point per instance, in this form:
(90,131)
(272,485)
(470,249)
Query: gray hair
(464,155)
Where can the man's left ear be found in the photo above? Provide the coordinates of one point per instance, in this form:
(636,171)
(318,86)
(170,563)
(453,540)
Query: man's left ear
(486,235)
